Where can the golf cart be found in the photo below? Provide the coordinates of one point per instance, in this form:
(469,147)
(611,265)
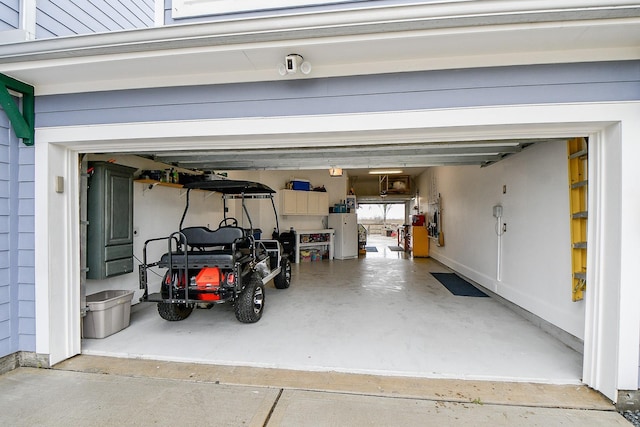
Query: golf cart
(229,264)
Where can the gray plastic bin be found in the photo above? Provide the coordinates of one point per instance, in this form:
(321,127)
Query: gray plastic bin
(109,312)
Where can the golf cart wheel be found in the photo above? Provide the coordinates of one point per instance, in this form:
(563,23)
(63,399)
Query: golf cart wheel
(174,312)
(250,303)
(283,279)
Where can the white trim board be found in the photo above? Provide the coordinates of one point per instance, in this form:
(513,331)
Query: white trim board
(611,364)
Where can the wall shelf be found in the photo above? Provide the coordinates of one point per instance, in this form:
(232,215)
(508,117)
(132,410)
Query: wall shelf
(310,239)
(152,183)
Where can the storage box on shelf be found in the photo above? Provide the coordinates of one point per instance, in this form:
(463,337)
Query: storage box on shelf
(314,245)
(301,184)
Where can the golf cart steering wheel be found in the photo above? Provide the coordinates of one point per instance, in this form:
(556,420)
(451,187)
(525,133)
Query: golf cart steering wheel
(225,222)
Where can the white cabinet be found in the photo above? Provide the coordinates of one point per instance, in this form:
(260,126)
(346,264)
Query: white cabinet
(317,203)
(296,202)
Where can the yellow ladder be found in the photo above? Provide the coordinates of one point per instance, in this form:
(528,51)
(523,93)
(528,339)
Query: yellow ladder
(578,150)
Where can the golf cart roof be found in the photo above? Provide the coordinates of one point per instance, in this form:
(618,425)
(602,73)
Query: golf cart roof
(231,187)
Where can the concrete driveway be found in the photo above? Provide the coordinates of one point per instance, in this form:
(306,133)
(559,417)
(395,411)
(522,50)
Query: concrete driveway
(99,391)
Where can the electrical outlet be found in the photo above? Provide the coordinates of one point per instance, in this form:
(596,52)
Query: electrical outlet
(504,189)
(504,227)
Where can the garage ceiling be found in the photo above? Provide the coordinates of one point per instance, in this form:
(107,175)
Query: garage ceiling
(358,159)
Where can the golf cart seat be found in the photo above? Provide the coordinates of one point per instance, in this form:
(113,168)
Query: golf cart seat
(208,248)
(203,238)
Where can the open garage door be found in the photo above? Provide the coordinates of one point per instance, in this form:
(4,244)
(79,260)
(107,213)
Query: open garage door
(396,318)
(445,170)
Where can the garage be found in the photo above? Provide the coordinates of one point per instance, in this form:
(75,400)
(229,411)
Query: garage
(553,144)
(380,314)
(479,117)
(570,128)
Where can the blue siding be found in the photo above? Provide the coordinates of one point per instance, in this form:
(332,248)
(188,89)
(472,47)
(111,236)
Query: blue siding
(8,337)
(25,244)
(17,278)
(9,14)
(71,17)
(586,82)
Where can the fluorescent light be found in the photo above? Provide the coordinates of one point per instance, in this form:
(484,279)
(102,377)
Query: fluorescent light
(385,172)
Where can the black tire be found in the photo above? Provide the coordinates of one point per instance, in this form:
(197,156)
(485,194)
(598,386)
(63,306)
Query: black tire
(250,303)
(283,279)
(174,312)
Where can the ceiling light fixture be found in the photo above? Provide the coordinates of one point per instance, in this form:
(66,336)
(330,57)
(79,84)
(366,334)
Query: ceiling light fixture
(385,172)
(292,63)
(335,171)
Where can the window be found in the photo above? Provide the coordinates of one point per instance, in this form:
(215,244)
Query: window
(192,8)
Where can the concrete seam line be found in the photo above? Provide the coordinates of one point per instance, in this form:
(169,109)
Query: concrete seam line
(273,408)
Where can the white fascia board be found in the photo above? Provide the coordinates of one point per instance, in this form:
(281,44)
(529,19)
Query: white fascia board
(301,25)
(104,72)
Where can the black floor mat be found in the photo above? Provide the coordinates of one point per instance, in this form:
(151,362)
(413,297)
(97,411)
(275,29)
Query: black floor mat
(458,286)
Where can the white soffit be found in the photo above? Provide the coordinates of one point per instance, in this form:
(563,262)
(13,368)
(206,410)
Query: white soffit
(362,40)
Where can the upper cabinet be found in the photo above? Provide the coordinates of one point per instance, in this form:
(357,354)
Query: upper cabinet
(317,203)
(296,202)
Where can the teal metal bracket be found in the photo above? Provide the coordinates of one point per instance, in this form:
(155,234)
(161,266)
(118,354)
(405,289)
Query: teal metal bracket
(23,121)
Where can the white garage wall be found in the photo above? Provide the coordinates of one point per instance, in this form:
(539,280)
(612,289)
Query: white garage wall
(157,213)
(536,254)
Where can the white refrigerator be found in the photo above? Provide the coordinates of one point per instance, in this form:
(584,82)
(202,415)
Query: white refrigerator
(346,235)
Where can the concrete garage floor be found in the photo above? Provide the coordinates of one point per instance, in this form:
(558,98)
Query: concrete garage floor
(380,314)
